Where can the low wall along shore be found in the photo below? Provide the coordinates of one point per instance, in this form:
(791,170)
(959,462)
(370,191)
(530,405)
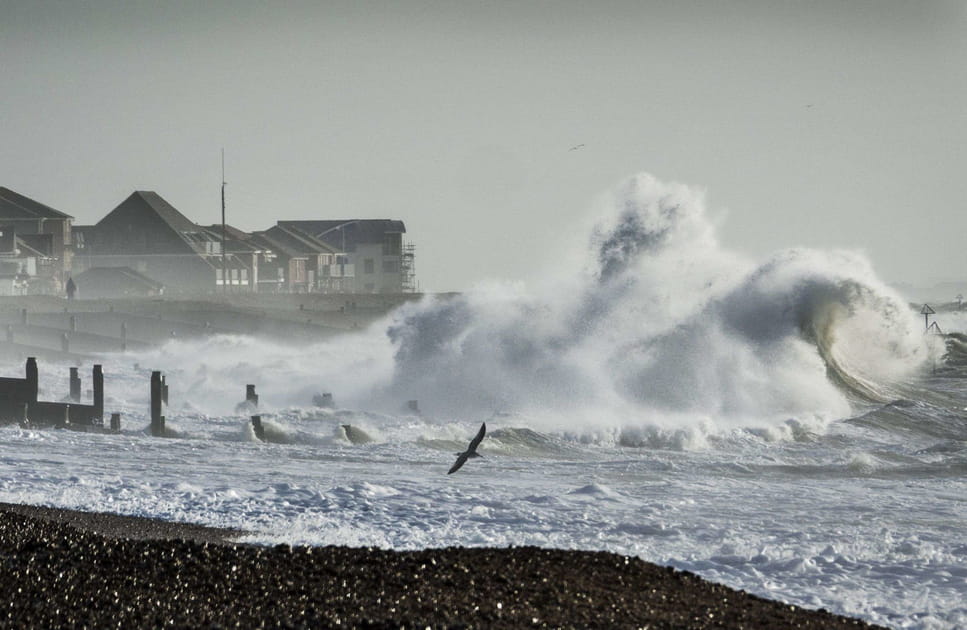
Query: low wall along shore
(58,329)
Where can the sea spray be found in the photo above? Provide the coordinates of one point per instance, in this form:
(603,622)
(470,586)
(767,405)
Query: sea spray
(660,335)
(668,328)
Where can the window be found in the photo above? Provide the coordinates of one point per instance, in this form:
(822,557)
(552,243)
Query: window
(391,244)
(244,276)
(369,266)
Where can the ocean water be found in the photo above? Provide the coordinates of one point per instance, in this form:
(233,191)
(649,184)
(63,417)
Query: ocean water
(782,426)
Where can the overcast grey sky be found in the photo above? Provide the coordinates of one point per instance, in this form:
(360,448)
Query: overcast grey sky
(827,124)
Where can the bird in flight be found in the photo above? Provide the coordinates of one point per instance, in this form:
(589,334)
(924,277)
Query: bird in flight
(576,147)
(471,450)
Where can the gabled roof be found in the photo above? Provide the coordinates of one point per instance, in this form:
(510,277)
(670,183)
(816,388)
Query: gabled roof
(299,241)
(16,206)
(230,231)
(354,231)
(236,240)
(266,241)
(152,201)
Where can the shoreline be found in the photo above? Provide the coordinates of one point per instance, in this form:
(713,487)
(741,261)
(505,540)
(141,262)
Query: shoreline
(66,568)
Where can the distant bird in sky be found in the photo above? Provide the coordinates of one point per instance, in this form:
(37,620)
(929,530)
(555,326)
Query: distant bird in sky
(471,450)
(576,147)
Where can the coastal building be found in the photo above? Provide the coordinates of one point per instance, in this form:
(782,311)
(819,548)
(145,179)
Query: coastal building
(286,271)
(147,234)
(327,270)
(372,249)
(25,269)
(259,260)
(39,244)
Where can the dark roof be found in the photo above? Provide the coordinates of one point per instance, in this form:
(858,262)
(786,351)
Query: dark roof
(236,241)
(266,241)
(354,231)
(114,274)
(16,206)
(299,241)
(167,212)
(230,231)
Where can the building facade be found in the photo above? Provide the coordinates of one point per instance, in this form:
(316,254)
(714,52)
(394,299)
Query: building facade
(373,249)
(43,238)
(147,234)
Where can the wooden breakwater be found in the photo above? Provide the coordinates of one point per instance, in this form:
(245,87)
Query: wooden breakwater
(19,402)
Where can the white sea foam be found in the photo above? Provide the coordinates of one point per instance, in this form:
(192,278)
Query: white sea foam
(676,402)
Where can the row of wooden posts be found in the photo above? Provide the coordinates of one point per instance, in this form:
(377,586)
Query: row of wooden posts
(65,340)
(19,403)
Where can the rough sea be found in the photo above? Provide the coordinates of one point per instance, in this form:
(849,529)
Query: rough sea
(782,426)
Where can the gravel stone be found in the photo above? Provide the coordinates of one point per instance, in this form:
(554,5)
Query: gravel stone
(65,569)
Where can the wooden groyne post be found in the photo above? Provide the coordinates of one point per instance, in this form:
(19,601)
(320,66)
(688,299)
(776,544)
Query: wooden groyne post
(258,428)
(19,399)
(75,386)
(157,420)
(98,377)
(32,378)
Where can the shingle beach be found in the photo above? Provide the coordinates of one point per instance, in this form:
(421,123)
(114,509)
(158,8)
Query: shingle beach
(66,569)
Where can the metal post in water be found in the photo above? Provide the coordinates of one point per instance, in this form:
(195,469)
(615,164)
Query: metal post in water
(116,422)
(926,311)
(250,396)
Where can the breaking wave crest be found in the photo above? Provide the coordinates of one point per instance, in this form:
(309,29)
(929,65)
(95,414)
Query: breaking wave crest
(657,335)
(665,327)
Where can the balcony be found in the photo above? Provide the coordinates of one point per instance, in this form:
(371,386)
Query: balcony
(338,271)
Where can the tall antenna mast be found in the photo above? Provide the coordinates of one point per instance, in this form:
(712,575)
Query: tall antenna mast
(224,265)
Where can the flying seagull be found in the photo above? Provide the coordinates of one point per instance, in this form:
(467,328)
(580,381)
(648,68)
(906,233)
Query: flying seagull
(576,147)
(471,450)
